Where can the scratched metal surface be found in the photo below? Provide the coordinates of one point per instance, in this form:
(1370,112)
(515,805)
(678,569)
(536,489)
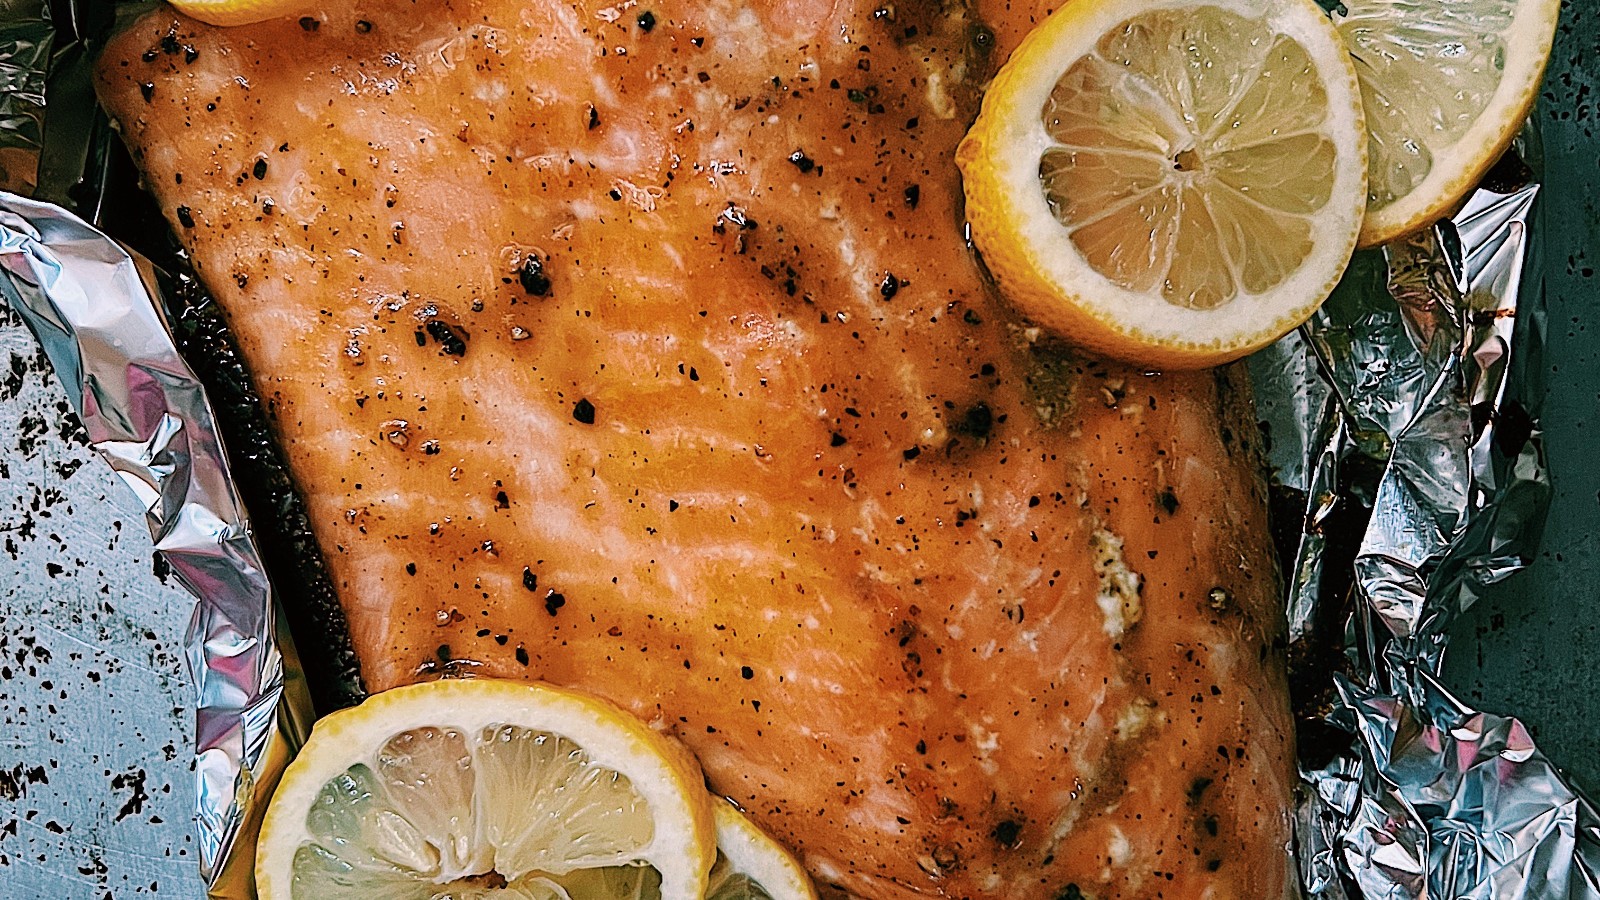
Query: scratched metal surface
(95,790)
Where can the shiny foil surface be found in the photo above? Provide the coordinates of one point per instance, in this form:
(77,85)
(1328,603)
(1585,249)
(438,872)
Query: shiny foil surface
(1404,441)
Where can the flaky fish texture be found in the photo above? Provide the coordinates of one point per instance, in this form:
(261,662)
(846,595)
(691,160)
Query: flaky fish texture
(639,348)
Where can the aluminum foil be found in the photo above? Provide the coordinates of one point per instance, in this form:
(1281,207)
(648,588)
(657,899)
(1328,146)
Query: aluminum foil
(1403,435)
(96,310)
(1403,426)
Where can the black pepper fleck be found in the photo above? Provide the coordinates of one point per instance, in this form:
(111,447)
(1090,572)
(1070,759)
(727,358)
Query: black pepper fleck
(889,286)
(185,217)
(259,170)
(801,161)
(529,579)
(746,673)
(522,654)
(838,440)
(147,90)
(583,411)
(553,602)
(647,21)
(913,195)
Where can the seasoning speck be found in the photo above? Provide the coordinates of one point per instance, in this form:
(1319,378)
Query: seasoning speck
(583,411)
(553,602)
(746,673)
(913,195)
(147,90)
(647,21)
(260,169)
(801,161)
(185,217)
(890,286)
(522,654)
(529,579)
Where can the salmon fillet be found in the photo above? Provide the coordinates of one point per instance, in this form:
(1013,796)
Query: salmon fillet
(639,348)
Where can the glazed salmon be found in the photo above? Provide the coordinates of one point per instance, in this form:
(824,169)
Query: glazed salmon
(639,348)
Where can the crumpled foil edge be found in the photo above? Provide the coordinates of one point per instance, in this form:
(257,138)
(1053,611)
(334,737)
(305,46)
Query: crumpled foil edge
(1404,419)
(95,309)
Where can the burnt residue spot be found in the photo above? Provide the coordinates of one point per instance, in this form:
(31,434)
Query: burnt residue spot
(890,285)
(1168,500)
(802,162)
(1008,834)
(976,422)
(169,43)
(530,579)
(133,782)
(185,216)
(310,23)
(533,277)
(553,601)
(646,21)
(451,342)
(583,411)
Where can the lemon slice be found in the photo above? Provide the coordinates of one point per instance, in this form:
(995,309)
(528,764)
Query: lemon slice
(751,865)
(1170,182)
(241,12)
(1446,85)
(478,788)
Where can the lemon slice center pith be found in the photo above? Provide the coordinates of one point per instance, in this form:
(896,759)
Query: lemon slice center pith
(1178,177)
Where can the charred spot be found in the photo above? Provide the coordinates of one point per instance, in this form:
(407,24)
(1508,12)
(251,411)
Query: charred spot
(977,421)
(452,342)
(1168,500)
(533,277)
(1007,834)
